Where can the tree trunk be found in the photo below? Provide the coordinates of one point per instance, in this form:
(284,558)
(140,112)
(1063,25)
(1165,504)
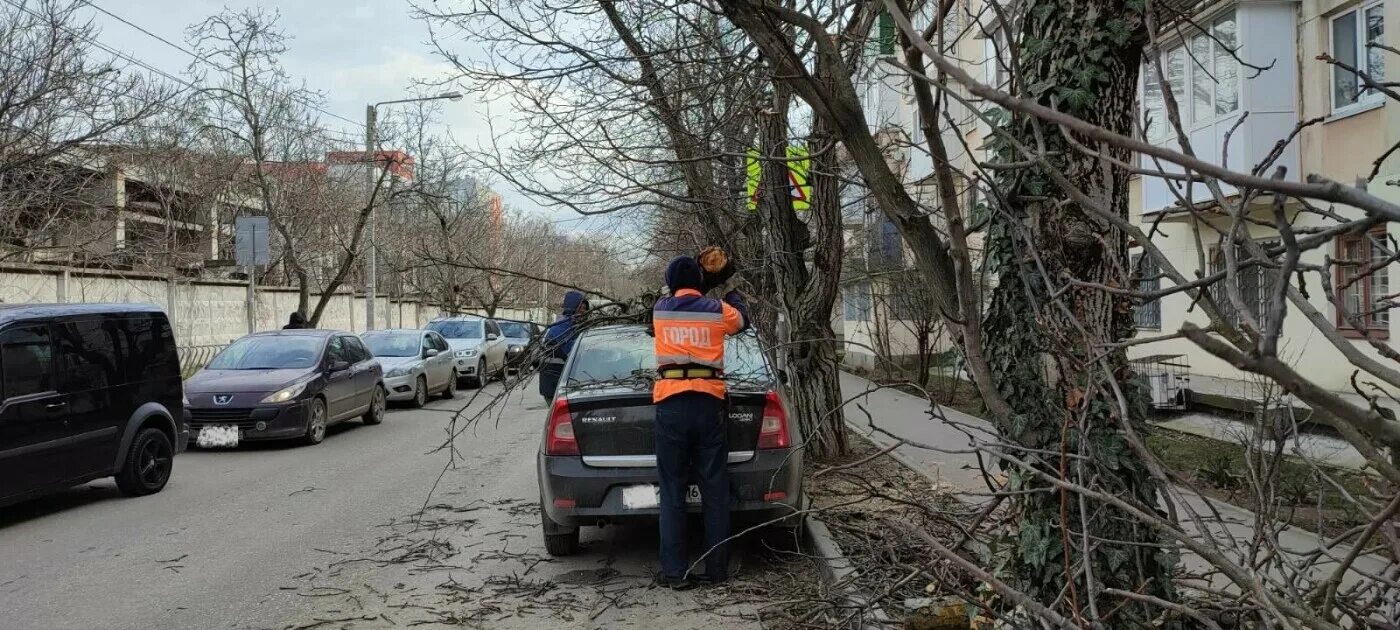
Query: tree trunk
(807,297)
(1045,344)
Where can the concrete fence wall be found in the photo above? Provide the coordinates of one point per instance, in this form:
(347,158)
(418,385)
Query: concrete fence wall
(213,312)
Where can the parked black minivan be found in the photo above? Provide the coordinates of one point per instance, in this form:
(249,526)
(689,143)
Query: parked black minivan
(87,391)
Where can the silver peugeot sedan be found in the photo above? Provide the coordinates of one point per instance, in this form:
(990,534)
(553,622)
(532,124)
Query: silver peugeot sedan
(417,364)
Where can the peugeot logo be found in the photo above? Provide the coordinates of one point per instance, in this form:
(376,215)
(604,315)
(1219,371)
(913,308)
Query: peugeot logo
(222,399)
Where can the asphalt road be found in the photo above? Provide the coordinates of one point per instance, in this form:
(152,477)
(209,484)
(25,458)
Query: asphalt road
(337,535)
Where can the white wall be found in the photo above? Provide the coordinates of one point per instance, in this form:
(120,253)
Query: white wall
(212,312)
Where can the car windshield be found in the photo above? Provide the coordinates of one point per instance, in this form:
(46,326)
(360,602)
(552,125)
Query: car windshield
(515,329)
(384,344)
(271,352)
(617,355)
(457,328)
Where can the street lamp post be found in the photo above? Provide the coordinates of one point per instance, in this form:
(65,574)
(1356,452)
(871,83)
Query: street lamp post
(371,140)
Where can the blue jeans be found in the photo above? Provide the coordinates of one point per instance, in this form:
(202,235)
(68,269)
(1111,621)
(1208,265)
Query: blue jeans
(691,444)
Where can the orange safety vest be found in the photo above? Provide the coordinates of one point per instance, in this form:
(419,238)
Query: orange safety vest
(690,330)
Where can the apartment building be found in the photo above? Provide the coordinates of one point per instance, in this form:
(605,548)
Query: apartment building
(1237,108)
(1251,84)
(886,311)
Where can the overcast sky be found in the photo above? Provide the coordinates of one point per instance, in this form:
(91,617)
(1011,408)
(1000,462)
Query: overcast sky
(353,51)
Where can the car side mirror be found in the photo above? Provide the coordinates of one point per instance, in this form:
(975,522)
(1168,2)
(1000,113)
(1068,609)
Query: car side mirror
(783,376)
(340,366)
(430,353)
(492,337)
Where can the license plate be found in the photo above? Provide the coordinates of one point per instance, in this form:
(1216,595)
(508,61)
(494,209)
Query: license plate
(648,496)
(217,436)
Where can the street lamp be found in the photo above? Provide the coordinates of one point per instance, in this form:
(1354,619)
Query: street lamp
(371,116)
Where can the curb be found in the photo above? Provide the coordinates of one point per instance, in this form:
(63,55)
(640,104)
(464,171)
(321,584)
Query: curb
(837,568)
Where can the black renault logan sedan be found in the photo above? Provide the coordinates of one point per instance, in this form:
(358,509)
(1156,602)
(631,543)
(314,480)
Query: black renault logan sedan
(597,461)
(286,384)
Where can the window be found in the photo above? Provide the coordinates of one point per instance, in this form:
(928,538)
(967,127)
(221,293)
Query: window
(1353,33)
(336,351)
(26,361)
(623,353)
(1363,298)
(355,351)
(270,352)
(855,301)
(1208,65)
(886,246)
(1256,283)
(88,355)
(457,328)
(145,347)
(1149,279)
(887,33)
(395,344)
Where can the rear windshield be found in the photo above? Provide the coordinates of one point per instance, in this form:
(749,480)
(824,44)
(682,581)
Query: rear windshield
(619,355)
(384,344)
(273,352)
(515,329)
(457,328)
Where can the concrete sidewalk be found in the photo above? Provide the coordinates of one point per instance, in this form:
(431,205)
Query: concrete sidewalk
(911,418)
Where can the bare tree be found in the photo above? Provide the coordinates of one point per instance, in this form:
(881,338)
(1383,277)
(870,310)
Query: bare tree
(59,97)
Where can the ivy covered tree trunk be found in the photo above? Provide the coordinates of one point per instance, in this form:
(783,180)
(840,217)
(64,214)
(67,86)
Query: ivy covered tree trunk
(1050,348)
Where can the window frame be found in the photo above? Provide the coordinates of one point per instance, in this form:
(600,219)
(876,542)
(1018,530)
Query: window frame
(1264,279)
(861,301)
(1372,328)
(1186,103)
(1368,98)
(5,395)
(1140,280)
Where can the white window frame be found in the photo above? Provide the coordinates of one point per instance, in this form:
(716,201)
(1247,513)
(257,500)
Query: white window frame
(1368,98)
(1186,105)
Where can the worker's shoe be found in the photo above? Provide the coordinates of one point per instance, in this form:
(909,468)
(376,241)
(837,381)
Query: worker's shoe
(675,584)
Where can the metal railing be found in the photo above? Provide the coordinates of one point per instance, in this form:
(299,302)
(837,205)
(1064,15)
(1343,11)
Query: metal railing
(192,358)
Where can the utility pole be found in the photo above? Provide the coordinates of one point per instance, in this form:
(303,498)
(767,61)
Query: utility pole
(371,271)
(371,180)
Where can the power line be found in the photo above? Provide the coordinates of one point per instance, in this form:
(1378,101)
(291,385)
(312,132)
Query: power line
(204,59)
(345,137)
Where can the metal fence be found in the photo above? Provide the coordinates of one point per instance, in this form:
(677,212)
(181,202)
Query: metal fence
(194,357)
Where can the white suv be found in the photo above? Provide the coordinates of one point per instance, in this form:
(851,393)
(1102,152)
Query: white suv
(478,350)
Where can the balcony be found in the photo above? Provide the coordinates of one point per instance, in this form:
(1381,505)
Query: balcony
(1213,91)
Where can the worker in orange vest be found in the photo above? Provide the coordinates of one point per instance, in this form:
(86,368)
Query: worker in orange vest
(689,394)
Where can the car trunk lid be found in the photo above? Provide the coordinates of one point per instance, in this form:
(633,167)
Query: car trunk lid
(615,427)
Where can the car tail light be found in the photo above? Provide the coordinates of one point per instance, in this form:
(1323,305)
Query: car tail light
(773,432)
(565,504)
(560,438)
(776,495)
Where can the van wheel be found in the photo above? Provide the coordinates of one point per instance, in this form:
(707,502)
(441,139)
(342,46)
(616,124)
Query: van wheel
(148,464)
(558,539)
(375,415)
(450,391)
(420,392)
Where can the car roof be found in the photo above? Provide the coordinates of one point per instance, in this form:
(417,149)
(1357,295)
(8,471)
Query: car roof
(23,312)
(300,332)
(459,318)
(413,331)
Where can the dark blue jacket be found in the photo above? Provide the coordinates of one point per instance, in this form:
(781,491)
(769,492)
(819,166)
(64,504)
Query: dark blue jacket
(559,337)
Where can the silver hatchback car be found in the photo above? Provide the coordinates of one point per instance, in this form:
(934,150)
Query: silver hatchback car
(417,363)
(478,349)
